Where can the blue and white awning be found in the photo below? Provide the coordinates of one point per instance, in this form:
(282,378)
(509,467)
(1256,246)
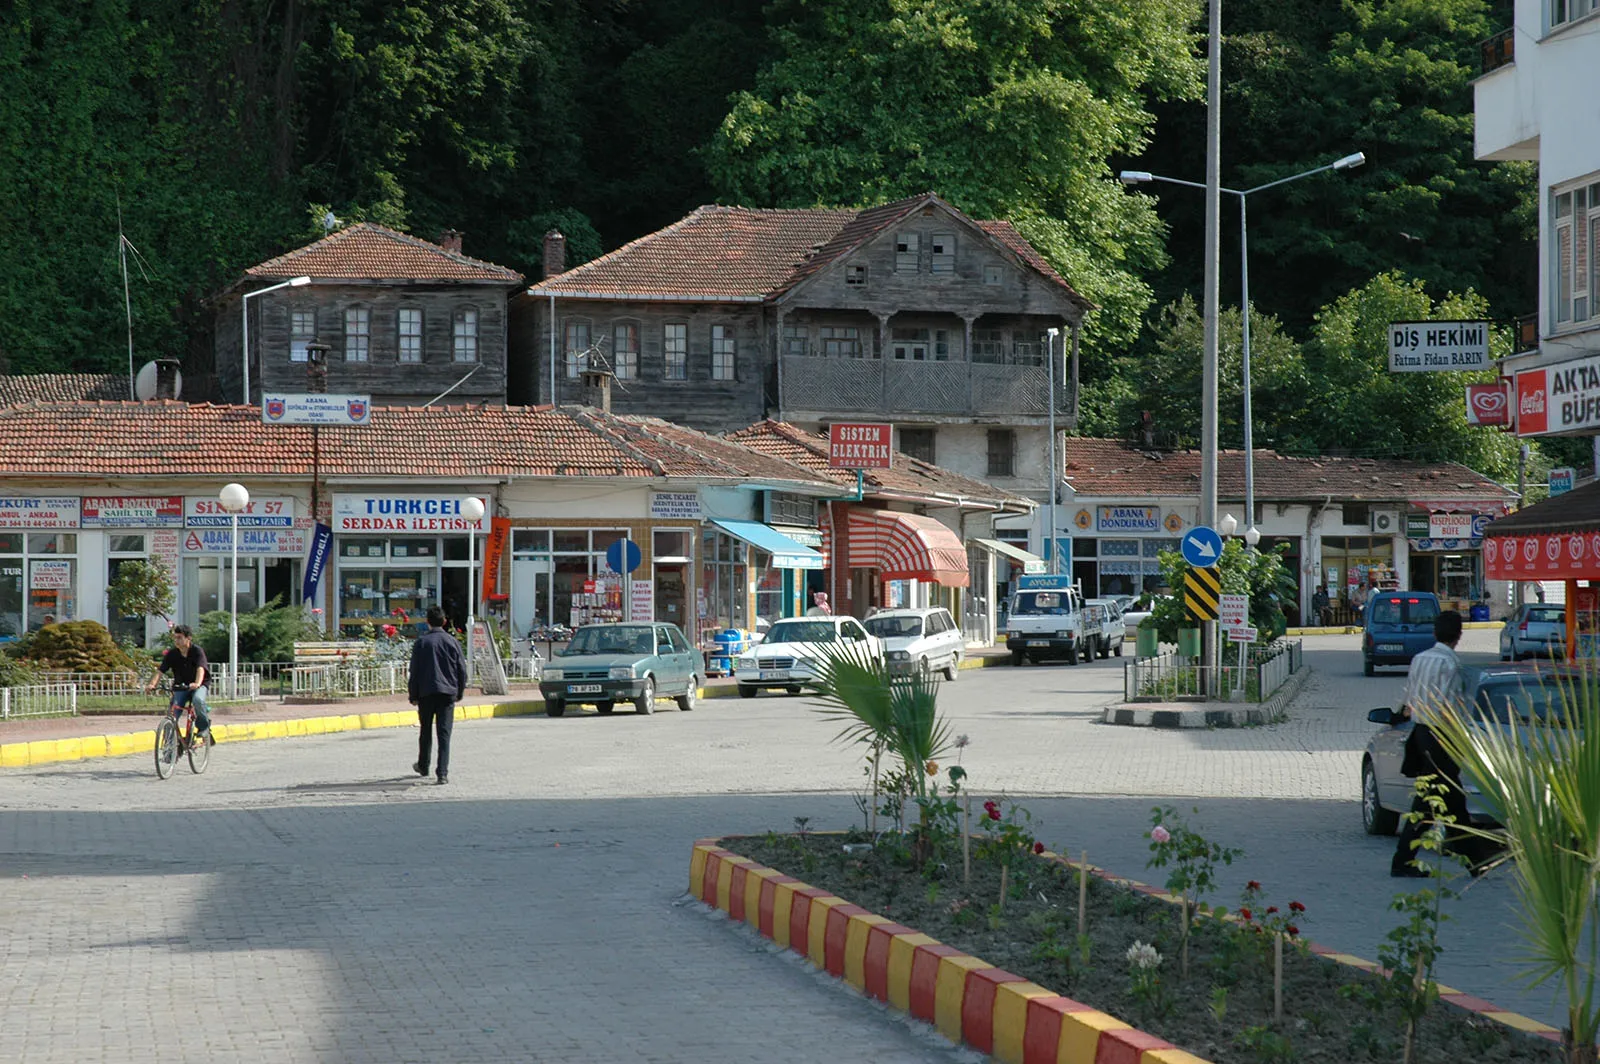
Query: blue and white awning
(786,553)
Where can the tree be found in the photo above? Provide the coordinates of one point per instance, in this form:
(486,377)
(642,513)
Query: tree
(1260,574)
(142,589)
(1008,109)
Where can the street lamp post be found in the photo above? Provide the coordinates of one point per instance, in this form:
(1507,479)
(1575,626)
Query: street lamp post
(244,330)
(234,499)
(1139,177)
(1055,470)
(472,510)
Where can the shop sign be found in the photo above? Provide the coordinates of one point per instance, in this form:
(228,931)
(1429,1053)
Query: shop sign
(1561,480)
(38,512)
(857,445)
(1488,404)
(494,552)
(1564,398)
(403,513)
(1547,556)
(132,511)
(1416,525)
(675,505)
(50,576)
(1127,519)
(316,561)
(205,511)
(1433,346)
(1233,611)
(1426,544)
(312,408)
(1450,526)
(164,551)
(642,600)
(289,541)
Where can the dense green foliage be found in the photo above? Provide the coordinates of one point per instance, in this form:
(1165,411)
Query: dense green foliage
(1261,574)
(265,634)
(75,646)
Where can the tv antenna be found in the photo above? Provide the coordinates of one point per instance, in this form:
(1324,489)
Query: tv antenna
(124,245)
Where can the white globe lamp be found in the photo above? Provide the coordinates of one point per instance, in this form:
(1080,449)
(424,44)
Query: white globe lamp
(235,498)
(472,509)
(1228,525)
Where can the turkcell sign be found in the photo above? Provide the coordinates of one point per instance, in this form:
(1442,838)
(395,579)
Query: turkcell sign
(404,513)
(1436,346)
(1560,399)
(314,408)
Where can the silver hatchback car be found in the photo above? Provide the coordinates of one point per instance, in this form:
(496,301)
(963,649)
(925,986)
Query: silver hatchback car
(1534,630)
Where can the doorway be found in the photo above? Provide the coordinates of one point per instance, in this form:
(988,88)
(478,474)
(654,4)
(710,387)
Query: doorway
(672,594)
(453,595)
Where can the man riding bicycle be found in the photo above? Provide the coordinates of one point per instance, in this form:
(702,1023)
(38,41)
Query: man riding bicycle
(190,671)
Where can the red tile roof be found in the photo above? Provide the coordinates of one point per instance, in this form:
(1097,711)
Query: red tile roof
(908,475)
(368,252)
(99,439)
(1102,467)
(744,254)
(61,387)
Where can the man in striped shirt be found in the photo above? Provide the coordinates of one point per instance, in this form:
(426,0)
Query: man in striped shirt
(1435,681)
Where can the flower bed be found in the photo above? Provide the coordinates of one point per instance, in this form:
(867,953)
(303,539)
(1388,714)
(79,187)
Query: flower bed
(1021,916)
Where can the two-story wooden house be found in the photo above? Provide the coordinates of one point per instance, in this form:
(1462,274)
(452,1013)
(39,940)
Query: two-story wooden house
(405,320)
(910,312)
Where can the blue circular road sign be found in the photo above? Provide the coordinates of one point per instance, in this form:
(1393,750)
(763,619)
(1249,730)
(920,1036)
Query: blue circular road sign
(1202,547)
(623,556)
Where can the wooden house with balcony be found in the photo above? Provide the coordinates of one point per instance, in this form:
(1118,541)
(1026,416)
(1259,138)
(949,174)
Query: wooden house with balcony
(910,312)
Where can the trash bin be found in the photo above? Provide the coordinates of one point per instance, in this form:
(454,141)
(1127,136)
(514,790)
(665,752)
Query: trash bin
(728,644)
(1189,642)
(1146,642)
(1480,612)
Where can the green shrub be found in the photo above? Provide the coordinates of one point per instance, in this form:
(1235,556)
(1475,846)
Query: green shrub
(76,646)
(265,634)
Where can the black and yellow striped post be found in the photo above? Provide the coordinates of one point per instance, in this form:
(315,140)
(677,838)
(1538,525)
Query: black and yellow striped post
(1202,590)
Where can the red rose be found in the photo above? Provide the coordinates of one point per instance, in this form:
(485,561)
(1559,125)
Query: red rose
(1252,885)
(1296,907)
(390,630)
(994,814)
(1271,909)
(1038,847)
(1244,913)
(1293,930)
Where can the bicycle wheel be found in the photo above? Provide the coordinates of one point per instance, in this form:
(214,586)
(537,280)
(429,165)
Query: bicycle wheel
(166,747)
(199,751)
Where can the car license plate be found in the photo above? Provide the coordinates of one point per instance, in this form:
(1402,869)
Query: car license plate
(1038,642)
(583,689)
(1391,648)
(774,674)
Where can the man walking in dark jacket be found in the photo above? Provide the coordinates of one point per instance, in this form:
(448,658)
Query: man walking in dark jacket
(438,681)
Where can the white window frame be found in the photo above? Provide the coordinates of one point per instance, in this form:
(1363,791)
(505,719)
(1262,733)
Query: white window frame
(408,343)
(841,341)
(1574,249)
(724,353)
(625,350)
(907,252)
(1564,12)
(577,335)
(464,335)
(855,275)
(357,334)
(675,351)
(942,253)
(300,338)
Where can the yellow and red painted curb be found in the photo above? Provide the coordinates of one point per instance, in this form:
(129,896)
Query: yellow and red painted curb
(969,1000)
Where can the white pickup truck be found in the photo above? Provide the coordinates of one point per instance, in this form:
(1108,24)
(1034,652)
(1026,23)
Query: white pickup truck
(1046,621)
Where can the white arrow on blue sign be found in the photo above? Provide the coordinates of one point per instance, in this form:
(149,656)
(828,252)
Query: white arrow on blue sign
(1202,547)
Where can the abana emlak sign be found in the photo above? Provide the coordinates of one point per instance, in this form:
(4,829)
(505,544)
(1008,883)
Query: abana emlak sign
(1432,346)
(403,513)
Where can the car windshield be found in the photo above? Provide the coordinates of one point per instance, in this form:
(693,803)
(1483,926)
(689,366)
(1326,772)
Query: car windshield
(895,627)
(802,632)
(1404,609)
(1548,615)
(1040,602)
(606,640)
(1542,697)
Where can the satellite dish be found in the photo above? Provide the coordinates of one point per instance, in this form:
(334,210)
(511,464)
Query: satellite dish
(144,383)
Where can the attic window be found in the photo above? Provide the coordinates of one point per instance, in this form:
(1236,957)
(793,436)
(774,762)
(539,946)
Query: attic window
(991,275)
(942,253)
(855,276)
(907,247)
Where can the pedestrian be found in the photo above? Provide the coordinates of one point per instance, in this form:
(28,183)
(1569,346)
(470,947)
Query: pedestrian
(1435,681)
(1319,604)
(438,681)
(819,605)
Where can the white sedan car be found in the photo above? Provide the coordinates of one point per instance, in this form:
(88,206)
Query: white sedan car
(786,657)
(920,641)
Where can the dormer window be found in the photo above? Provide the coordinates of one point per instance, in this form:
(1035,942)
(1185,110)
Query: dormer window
(855,276)
(992,275)
(907,248)
(942,253)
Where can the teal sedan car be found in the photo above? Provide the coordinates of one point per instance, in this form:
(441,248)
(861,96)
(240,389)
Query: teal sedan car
(631,662)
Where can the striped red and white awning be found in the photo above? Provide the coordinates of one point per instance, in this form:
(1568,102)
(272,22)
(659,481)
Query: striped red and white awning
(904,546)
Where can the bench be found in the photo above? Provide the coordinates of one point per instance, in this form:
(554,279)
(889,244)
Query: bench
(316,664)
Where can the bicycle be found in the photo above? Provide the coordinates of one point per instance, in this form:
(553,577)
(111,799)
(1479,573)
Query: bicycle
(174,739)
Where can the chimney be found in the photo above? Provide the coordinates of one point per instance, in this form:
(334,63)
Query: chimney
(596,388)
(555,253)
(166,378)
(450,240)
(317,367)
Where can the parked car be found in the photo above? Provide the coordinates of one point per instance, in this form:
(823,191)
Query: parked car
(787,657)
(1397,627)
(604,664)
(1106,627)
(1534,630)
(1135,614)
(919,641)
(1046,621)
(1496,693)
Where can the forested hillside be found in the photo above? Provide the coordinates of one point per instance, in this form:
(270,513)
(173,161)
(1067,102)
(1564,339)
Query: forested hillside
(222,130)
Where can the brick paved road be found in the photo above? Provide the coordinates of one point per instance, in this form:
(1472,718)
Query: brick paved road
(321,904)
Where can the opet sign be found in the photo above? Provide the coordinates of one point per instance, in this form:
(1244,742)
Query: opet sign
(1559,399)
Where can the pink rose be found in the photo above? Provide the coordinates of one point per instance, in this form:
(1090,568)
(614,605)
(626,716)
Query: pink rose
(1160,834)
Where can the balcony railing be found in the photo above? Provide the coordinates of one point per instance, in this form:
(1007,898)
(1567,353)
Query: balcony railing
(1527,333)
(949,389)
(1499,50)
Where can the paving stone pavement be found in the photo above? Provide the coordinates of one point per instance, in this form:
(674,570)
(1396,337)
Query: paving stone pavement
(312,900)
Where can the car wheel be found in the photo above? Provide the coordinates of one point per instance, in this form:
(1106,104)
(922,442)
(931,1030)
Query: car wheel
(1072,654)
(952,670)
(1374,817)
(604,707)
(554,707)
(646,703)
(1119,646)
(794,688)
(1367,667)
(924,670)
(746,691)
(1018,659)
(1104,647)
(691,697)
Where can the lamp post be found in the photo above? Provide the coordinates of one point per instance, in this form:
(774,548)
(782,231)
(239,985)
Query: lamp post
(244,331)
(1140,177)
(234,499)
(1055,470)
(472,510)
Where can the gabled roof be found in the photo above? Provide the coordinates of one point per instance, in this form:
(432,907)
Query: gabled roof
(908,475)
(366,251)
(1116,468)
(174,439)
(61,387)
(749,255)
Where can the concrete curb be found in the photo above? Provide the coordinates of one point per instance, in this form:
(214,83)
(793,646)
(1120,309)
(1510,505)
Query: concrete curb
(1207,714)
(1355,629)
(967,999)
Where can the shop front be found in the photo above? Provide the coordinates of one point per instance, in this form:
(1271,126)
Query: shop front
(1446,557)
(272,542)
(131,528)
(778,566)
(396,555)
(1556,540)
(38,563)
(894,559)
(1116,547)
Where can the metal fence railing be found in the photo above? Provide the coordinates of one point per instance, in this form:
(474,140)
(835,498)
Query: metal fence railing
(1171,677)
(125,690)
(39,700)
(349,681)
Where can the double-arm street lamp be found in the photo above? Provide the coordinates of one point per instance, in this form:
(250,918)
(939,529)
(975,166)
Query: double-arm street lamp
(244,324)
(1140,177)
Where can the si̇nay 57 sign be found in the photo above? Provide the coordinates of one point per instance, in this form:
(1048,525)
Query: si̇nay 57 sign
(1432,346)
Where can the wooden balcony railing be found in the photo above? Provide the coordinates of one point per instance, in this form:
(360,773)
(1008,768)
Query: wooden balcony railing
(1499,50)
(961,389)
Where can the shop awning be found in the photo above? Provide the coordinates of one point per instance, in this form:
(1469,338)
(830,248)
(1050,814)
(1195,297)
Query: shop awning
(1558,539)
(1031,563)
(786,553)
(904,546)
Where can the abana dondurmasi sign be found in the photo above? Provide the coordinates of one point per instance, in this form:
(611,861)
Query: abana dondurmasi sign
(1435,346)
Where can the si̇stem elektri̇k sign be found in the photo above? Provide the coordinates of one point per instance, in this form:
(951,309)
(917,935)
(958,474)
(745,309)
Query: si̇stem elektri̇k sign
(1559,399)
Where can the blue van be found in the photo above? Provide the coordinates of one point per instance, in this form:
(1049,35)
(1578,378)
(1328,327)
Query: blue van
(1398,626)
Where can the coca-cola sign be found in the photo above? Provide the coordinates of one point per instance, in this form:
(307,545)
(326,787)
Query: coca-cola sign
(1559,399)
(1488,404)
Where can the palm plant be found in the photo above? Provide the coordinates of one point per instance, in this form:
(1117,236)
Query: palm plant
(1540,779)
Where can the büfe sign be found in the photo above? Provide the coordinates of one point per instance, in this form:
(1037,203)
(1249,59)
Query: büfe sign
(1564,398)
(858,445)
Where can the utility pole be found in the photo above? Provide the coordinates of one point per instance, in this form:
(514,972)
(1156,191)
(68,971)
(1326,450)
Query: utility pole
(317,384)
(1522,500)
(1054,477)
(1213,238)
